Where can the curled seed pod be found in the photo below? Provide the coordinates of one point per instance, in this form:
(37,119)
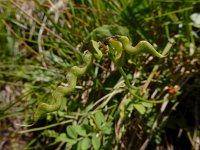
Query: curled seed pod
(95,49)
(71,80)
(79,71)
(44,108)
(142,46)
(60,91)
(116,37)
(116,49)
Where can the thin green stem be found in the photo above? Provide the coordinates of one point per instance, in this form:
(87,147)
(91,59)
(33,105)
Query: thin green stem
(130,88)
(46,127)
(125,77)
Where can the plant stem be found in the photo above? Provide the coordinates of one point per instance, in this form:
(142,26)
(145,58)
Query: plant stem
(130,88)
(125,77)
(46,127)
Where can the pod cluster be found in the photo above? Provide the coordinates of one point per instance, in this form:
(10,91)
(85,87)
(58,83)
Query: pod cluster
(117,47)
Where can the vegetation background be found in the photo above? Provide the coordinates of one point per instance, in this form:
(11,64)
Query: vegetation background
(41,40)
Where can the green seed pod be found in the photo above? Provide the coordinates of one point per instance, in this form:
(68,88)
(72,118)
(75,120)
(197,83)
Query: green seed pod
(116,49)
(142,46)
(60,91)
(44,108)
(71,79)
(87,58)
(79,71)
(95,49)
